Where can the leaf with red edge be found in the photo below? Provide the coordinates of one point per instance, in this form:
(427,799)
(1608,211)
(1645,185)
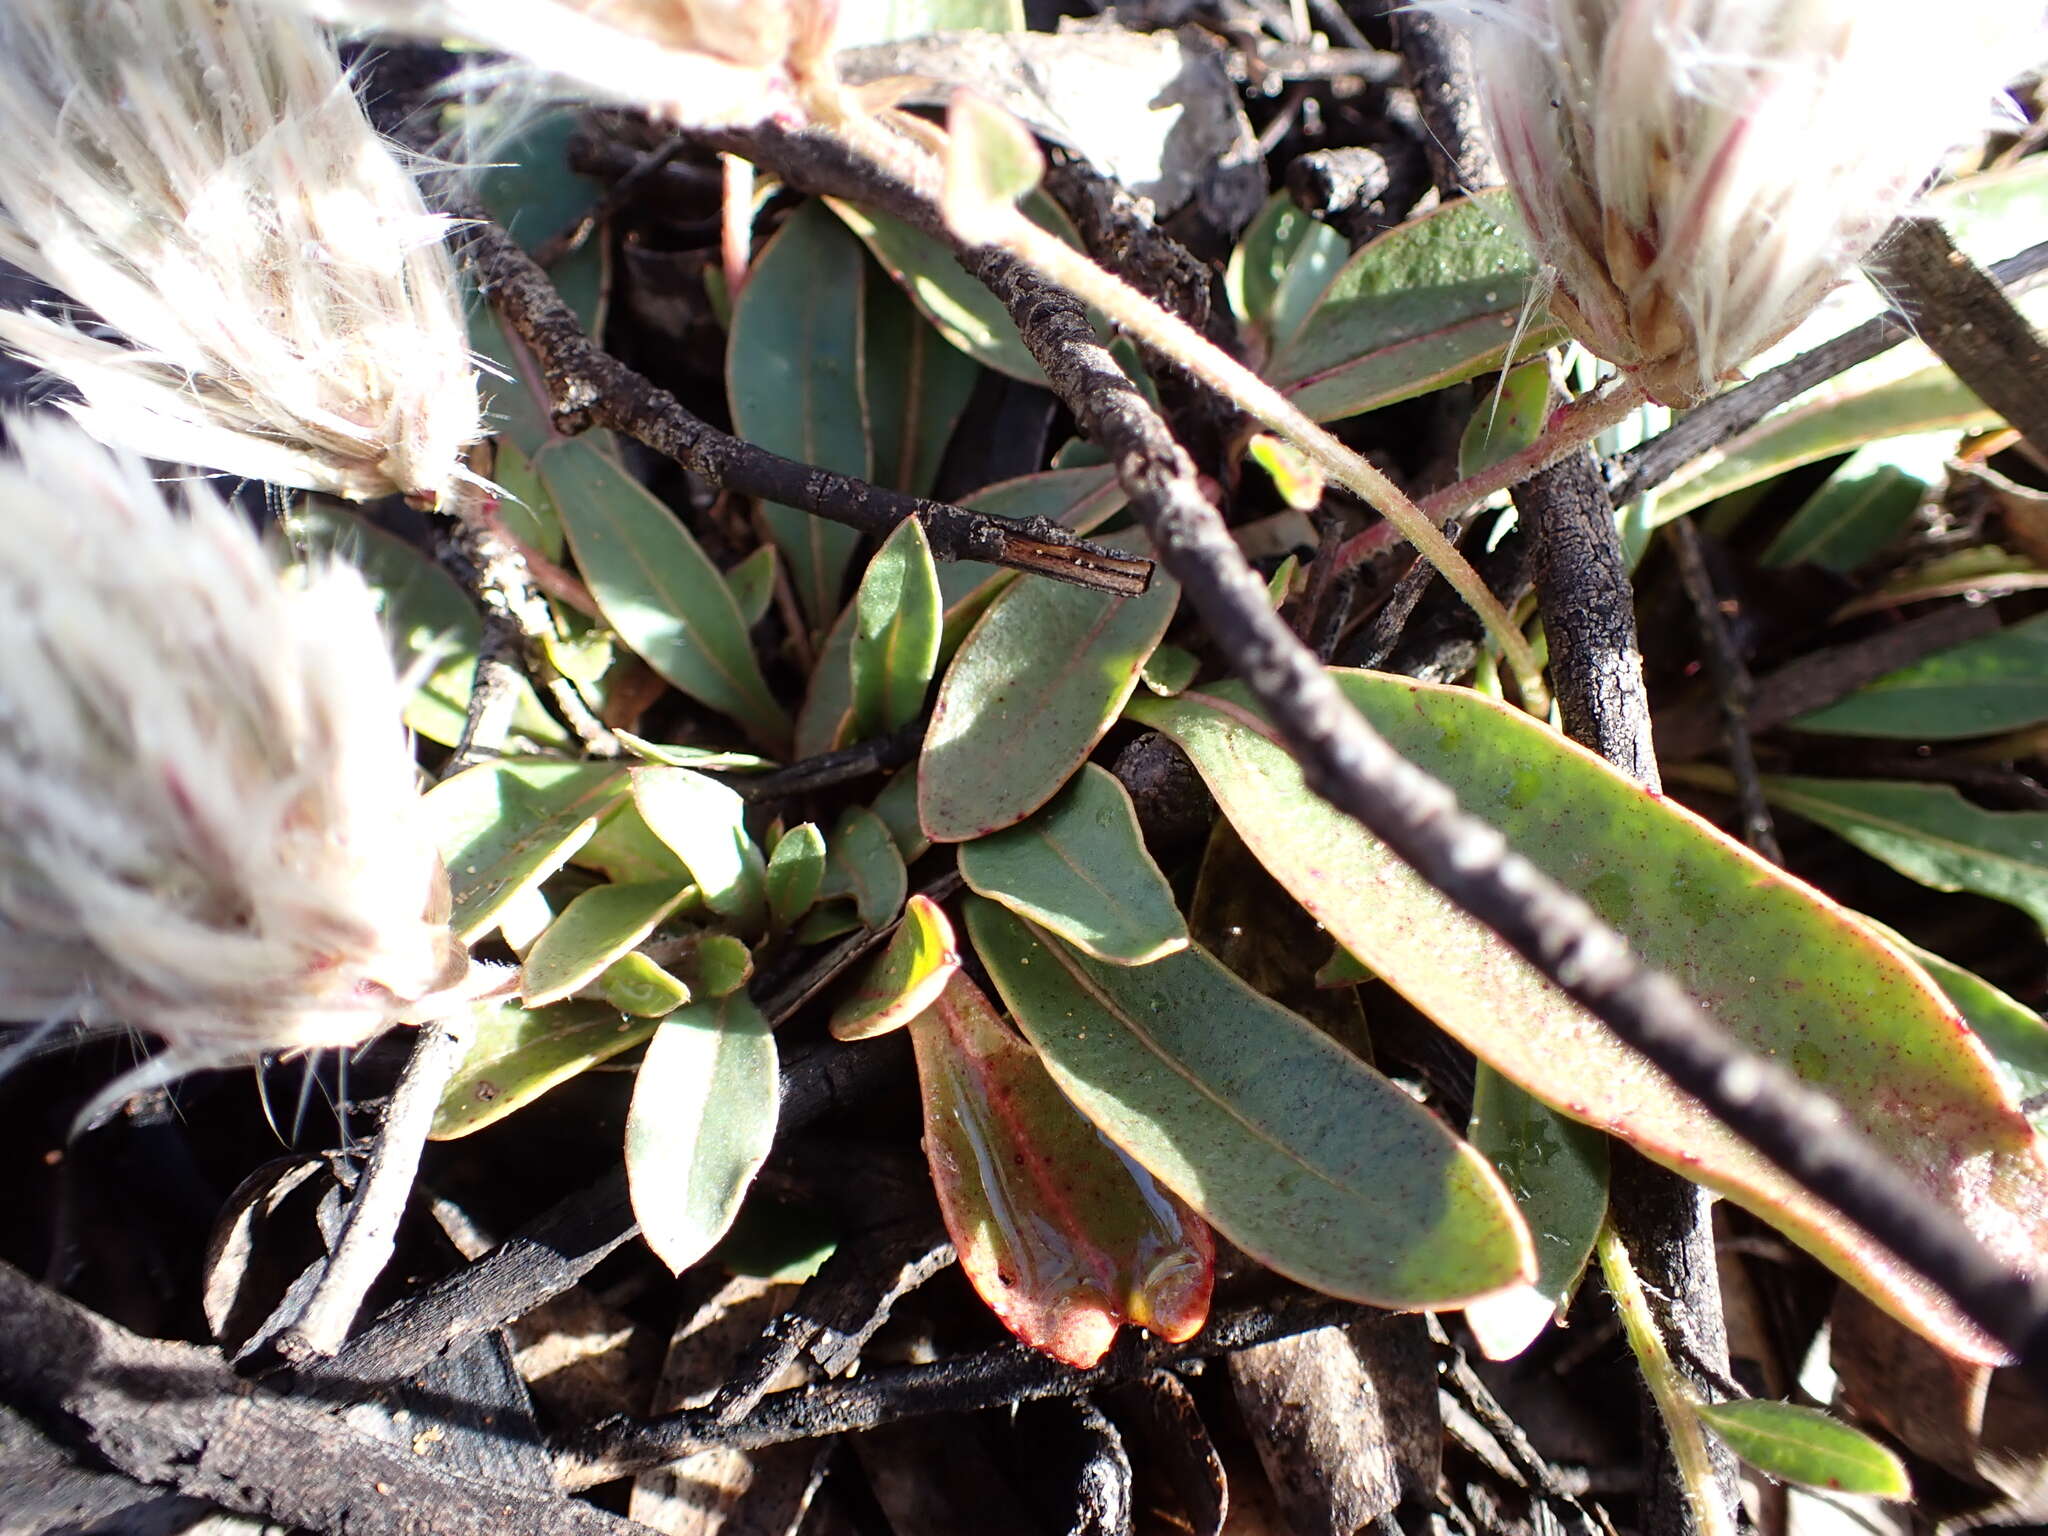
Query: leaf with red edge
(1785,970)
(905,978)
(1062,1235)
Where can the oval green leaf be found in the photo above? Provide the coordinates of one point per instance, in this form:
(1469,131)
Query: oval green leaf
(1079,869)
(1784,969)
(717,964)
(517,1054)
(1997,682)
(904,980)
(701,1124)
(1035,684)
(1288,1144)
(796,870)
(1930,833)
(505,826)
(793,374)
(704,825)
(1062,1235)
(1283,263)
(1557,1171)
(825,722)
(866,864)
(1508,420)
(598,927)
(1437,300)
(752,584)
(635,984)
(917,386)
(658,589)
(1796,1444)
(895,645)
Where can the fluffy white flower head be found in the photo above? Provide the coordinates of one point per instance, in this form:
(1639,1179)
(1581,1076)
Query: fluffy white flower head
(1698,173)
(209,822)
(200,176)
(707,63)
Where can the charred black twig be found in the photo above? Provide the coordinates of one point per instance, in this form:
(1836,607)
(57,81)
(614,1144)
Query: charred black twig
(588,386)
(1417,817)
(878,754)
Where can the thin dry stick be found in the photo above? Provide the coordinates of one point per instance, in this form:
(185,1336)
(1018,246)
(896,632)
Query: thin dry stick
(369,1234)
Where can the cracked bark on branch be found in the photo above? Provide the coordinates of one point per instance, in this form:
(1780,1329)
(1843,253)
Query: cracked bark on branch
(1352,766)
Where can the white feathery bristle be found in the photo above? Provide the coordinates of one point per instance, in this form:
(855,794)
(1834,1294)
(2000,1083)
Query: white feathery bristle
(210,825)
(705,63)
(199,176)
(1697,174)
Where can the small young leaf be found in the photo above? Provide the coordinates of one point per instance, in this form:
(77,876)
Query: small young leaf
(793,373)
(1034,686)
(505,826)
(1062,1235)
(635,984)
(1864,505)
(1293,473)
(717,965)
(1170,668)
(595,929)
(1803,1445)
(704,823)
(1557,1171)
(796,869)
(1079,869)
(657,588)
(752,583)
(866,864)
(991,161)
(895,646)
(1288,1144)
(902,981)
(1930,833)
(517,1054)
(701,1124)
(1284,261)
(1508,419)
(897,806)
(625,850)
(825,722)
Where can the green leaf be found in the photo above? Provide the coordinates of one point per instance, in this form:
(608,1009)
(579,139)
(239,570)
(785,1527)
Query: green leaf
(517,1054)
(1060,1233)
(624,849)
(897,806)
(917,386)
(718,964)
(864,863)
(1806,1446)
(704,824)
(598,927)
(1437,300)
(825,721)
(1865,504)
(1997,682)
(1289,1145)
(2015,1035)
(793,373)
(1281,266)
(1557,1171)
(991,160)
(505,826)
(752,584)
(1784,969)
(1293,473)
(1079,868)
(701,1124)
(657,588)
(905,979)
(703,759)
(1930,833)
(958,306)
(635,984)
(796,870)
(1033,688)
(895,645)
(434,628)
(1508,420)
(1170,668)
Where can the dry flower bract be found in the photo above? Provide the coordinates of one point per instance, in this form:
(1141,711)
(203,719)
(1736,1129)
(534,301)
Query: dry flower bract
(200,177)
(1698,173)
(210,827)
(707,63)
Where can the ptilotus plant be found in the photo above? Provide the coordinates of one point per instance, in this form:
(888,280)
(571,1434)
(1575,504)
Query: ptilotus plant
(200,180)
(212,829)
(1697,174)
